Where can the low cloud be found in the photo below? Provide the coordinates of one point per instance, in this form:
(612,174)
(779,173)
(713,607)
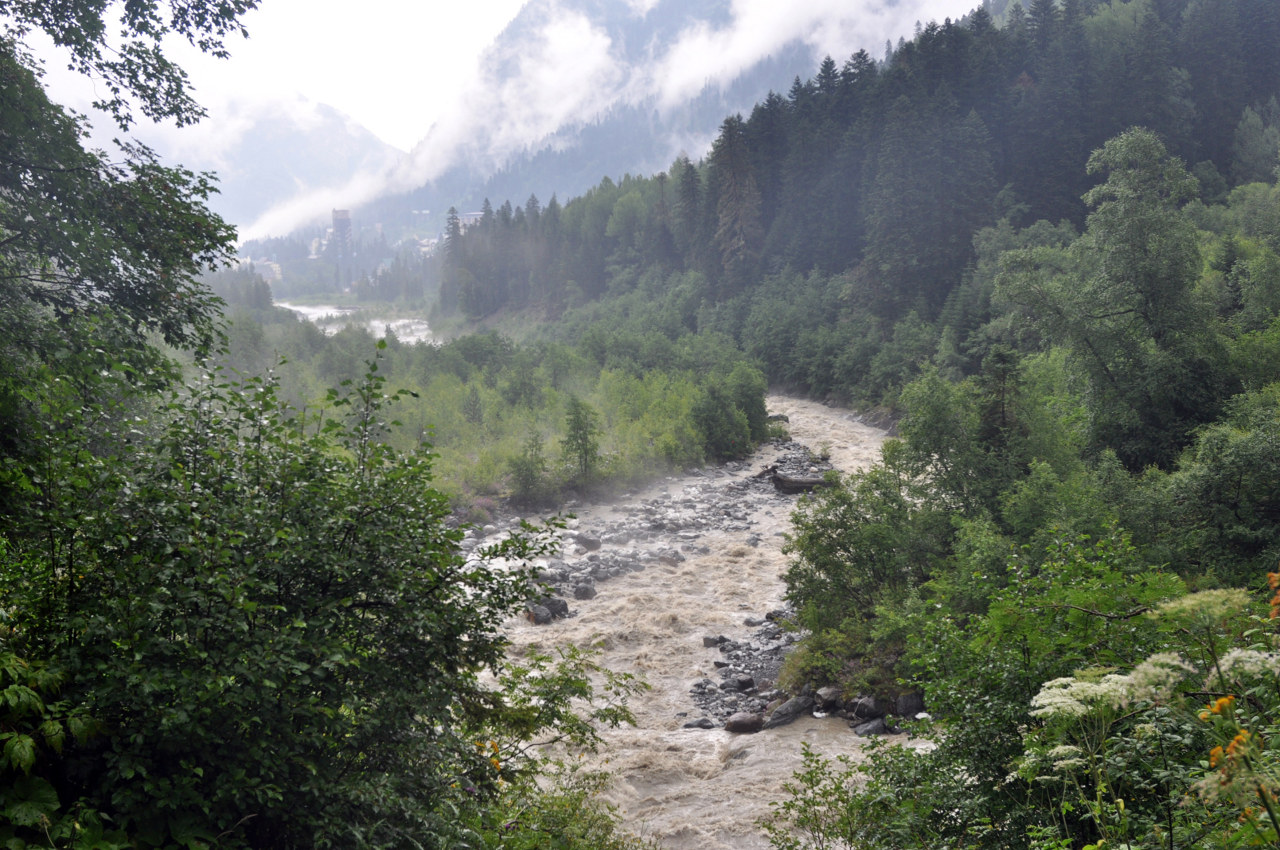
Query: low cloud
(313,205)
(704,55)
(563,71)
(556,67)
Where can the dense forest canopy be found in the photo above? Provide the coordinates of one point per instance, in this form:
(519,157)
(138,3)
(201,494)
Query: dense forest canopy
(1051,246)
(883,170)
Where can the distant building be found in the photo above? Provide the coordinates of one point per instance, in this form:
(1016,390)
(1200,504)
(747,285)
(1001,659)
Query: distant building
(468,219)
(342,238)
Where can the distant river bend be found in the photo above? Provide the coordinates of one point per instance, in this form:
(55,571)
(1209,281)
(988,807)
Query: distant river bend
(331,319)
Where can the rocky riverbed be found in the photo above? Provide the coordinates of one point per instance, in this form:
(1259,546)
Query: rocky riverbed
(680,584)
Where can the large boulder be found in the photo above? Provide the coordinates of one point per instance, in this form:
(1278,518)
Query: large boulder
(869,708)
(744,723)
(874,727)
(828,698)
(909,705)
(557,606)
(789,711)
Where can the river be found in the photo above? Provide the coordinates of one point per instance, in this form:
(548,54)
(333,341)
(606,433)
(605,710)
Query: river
(700,789)
(331,319)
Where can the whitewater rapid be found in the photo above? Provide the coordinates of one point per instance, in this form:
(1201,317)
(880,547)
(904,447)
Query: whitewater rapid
(698,789)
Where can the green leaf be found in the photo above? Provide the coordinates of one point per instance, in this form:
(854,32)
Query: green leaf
(21,700)
(54,734)
(20,752)
(79,728)
(31,800)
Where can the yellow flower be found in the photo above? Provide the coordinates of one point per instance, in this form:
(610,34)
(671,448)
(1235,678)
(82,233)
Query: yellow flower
(1238,743)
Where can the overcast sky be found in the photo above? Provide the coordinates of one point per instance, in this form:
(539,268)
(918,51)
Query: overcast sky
(389,64)
(406,69)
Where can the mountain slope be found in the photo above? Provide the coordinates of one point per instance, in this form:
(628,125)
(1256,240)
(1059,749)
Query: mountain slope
(572,91)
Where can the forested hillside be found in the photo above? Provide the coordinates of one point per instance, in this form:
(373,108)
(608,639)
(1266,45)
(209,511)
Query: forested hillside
(1052,247)
(856,196)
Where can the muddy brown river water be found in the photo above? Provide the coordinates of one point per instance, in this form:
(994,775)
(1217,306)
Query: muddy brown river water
(701,789)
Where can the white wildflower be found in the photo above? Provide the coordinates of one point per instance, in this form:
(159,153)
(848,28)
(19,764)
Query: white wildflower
(1063,752)
(1242,663)
(1156,678)
(1057,700)
(1207,605)
(1250,662)
(1072,697)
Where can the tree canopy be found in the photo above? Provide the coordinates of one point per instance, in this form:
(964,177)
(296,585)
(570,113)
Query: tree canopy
(131,63)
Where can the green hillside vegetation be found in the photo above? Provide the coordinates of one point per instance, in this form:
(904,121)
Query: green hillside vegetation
(1045,551)
(831,233)
(508,422)
(1052,249)
(227,620)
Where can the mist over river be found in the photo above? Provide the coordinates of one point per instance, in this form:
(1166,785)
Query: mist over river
(700,789)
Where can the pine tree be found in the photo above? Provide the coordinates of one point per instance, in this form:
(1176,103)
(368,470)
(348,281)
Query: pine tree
(739,233)
(1042,23)
(828,79)
(453,263)
(1255,149)
(1210,44)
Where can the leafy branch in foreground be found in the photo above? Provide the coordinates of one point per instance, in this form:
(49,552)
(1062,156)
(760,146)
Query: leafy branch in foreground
(270,618)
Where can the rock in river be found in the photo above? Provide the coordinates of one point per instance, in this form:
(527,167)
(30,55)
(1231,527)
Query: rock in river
(744,722)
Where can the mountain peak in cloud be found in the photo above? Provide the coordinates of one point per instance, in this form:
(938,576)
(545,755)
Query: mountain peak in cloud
(567,72)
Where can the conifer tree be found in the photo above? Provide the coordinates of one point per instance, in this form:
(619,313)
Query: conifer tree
(738,232)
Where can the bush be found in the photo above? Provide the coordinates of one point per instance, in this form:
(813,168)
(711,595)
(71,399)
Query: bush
(564,812)
(270,619)
(726,434)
